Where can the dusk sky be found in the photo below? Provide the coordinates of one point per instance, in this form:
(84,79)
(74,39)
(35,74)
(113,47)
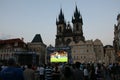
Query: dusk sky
(25,18)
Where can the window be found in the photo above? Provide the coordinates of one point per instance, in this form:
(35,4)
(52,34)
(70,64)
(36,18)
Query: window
(74,57)
(87,50)
(99,50)
(81,57)
(84,57)
(77,57)
(68,41)
(60,29)
(16,44)
(77,27)
(74,51)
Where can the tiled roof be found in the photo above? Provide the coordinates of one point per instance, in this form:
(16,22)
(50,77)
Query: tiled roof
(12,42)
(37,38)
(9,41)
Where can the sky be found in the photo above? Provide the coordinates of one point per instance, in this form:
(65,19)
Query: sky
(25,18)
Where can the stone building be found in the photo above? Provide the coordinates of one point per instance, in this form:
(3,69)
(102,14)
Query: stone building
(67,35)
(98,48)
(9,46)
(109,54)
(116,42)
(88,51)
(83,51)
(39,47)
(18,49)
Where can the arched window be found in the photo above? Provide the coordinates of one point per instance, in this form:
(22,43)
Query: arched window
(60,29)
(68,41)
(77,27)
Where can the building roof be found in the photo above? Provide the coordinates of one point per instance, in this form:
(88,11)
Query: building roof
(108,46)
(37,39)
(10,41)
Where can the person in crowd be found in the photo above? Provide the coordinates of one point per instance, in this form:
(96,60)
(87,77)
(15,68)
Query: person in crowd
(92,72)
(56,73)
(117,77)
(86,73)
(109,68)
(11,72)
(78,74)
(29,73)
(113,71)
(67,73)
(48,72)
(104,71)
(41,72)
(99,72)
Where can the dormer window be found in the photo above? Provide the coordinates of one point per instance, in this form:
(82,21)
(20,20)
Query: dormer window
(16,44)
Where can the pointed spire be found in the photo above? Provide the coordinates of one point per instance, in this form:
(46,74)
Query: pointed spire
(76,13)
(61,18)
(56,20)
(61,11)
(76,9)
(61,15)
(77,16)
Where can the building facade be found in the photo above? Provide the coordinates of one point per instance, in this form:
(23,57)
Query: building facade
(81,50)
(87,52)
(116,42)
(38,47)
(33,52)
(109,54)
(9,47)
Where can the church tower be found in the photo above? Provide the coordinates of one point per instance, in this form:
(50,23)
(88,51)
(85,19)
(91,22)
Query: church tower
(67,34)
(77,26)
(61,25)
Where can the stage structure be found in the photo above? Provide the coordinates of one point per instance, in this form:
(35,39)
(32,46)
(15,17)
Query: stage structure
(24,58)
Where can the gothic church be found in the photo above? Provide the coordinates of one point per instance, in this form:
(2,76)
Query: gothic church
(65,33)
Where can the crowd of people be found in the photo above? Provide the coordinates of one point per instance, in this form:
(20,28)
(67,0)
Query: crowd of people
(60,71)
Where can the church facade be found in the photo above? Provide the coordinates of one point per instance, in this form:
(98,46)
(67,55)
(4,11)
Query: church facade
(65,33)
(81,50)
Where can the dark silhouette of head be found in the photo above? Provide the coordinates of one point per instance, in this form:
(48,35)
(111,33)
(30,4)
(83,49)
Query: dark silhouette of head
(29,66)
(67,71)
(77,65)
(11,62)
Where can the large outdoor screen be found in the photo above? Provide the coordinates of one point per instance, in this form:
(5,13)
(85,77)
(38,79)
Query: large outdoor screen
(59,56)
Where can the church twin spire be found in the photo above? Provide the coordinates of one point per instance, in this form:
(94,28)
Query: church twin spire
(76,18)
(66,33)
(61,19)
